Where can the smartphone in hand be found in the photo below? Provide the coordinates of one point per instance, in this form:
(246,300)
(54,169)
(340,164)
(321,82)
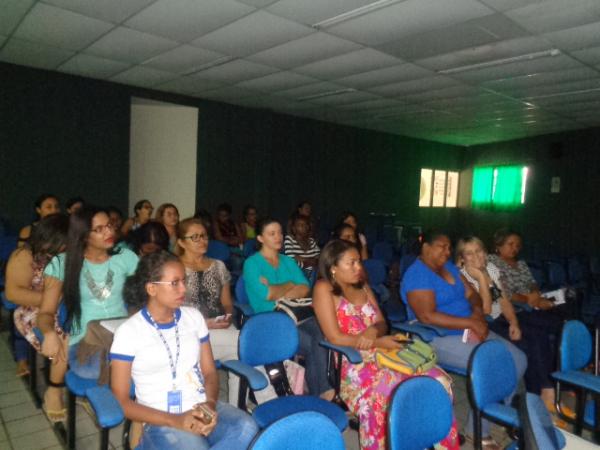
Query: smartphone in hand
(222,318)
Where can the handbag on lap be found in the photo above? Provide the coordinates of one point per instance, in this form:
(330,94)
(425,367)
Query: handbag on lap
(414,358)
(299,309)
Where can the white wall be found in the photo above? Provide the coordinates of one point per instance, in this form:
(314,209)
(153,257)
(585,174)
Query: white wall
(162,159)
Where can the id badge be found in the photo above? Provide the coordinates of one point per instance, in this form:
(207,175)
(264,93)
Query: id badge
(174,405)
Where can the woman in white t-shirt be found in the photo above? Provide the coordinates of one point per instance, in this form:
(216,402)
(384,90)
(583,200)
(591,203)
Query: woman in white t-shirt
(165,349)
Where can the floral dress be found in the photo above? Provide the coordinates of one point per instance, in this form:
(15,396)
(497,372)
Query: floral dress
(367,388)
(25,317)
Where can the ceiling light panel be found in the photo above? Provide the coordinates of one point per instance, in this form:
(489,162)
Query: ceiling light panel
(60,28)
(143,76)
(379,77)
(92,66)
(576,38)
(235,71)
(186,20)
(539,79)
(253,33)
(305,50)
(114,11)
(277,82)
(348,64)
(32,54)
(405,18)
(125,44)
(555,15)
(310,11)
(12,13)
(183,59)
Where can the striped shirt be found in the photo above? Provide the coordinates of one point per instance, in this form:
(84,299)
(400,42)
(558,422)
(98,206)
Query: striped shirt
(293,249)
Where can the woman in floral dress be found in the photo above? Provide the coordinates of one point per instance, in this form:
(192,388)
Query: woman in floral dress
(348,314)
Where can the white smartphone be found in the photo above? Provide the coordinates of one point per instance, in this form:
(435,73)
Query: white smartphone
(222,318)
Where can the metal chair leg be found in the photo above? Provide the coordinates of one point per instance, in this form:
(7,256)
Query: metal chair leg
(71,410)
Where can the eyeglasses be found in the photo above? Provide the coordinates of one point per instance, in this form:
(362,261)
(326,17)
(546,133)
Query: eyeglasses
(196,237)
(101,228)
(173,283)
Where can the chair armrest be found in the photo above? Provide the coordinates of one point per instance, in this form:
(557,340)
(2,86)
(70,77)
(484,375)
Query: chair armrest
(38,334)
(522,306)
(426,334)
(350,353)
(256,380)
(108,410)
(244,308)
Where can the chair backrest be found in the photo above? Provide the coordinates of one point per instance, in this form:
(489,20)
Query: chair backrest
(539,433)
(420,414)
(307,430)
(375,271)
(268,338)
(7,245)
(557,275)
(218,250)
(241,296)
(383,251)
(538,273)
(577,270)
(406,261)
(575,346)
(249,247)
(492,375)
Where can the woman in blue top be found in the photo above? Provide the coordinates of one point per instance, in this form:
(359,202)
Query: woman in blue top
(270,276)
(89,277)
(437,294)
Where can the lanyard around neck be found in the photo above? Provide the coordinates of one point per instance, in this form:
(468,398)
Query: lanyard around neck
(172,362)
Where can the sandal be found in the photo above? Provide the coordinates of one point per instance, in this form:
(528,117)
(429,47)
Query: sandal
(54,415)
(487,443)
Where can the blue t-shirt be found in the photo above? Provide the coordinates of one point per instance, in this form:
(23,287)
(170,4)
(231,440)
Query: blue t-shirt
(112,305)
(449,298)
(257,266)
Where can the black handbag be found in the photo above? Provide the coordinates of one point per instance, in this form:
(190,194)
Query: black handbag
(299,309)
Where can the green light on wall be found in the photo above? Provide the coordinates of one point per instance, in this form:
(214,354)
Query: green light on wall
(501,188)
(483,179)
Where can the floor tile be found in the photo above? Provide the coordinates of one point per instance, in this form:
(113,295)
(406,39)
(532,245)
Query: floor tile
(36,441)
(14,398)
(18,428)
(19,412)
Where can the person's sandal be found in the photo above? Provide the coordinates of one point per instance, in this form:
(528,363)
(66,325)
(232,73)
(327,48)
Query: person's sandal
(54,415)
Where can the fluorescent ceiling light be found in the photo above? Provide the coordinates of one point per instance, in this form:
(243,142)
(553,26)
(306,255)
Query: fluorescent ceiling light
(560,94)
(354,13)
(326,94)
(501,62)
(217,62)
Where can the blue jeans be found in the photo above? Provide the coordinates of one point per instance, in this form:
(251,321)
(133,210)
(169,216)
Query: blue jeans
(235,430)
(315,356)
(452,351)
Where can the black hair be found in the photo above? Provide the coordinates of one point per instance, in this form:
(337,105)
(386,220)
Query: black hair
(49,236)
(345,214)
(150,232)
(330,256)
(42,198)
(501,235)
(206,219)
(149,268)
(431,235)
(247,209)
(74,200)
(225,207)
(80,227)
(337,233)
(114,209)
(139,205)
(260,228)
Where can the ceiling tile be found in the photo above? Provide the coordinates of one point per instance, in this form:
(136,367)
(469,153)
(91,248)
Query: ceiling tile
(310,89)
(372,105)
(188,85)
(277,82)
(185,20)
(235,71)
(258,3)
(588,55)
(229,93)
(562,89)
(413,86)
(143,76)
(348,64)
(444,93)
(466,35)
(32,54)
(540,79)
(302,51)
(60,28)
(92,66)
(484,53)
(183,60)
(129,45)
(310,12)
(405,18)
(345,98)
(576,38)
(12,13)
(114,11)
(505,5)
(402,72)
(555,15)
(253,33)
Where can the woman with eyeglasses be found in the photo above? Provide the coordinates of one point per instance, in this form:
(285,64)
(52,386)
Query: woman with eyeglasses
(165,349)
(209,291)
(89,277)
(142,211)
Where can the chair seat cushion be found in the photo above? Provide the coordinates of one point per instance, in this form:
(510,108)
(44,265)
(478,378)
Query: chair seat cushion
(108,410)
(78,385)
(268,412)
(502,413)
(577,378)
